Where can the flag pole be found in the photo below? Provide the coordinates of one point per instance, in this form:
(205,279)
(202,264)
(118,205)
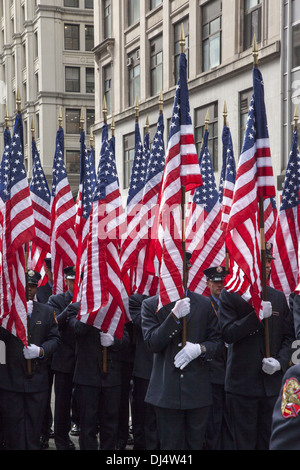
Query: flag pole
(225,123)
(104,349)
(28,361)
(262,233)
(184,271)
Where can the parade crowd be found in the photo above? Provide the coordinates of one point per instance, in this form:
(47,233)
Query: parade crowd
(217,391)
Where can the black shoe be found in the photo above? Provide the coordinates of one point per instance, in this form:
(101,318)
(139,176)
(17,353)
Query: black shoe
(75,430)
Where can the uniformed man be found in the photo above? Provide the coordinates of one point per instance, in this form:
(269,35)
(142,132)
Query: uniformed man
(180,386)
(253,380)
(43,292)
(42,295)
(144,425)
(23,397)
(286,414)
(63,364)
(218,434)
(98,393)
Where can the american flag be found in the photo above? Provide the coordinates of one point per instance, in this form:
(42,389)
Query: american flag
(63,213)
(270,214)
(18,229)
(7,142)
(228,176)
(147,284)
(129,245)
(181,173)
(103,296)
(285,268)
(83,208)
(40,197)
(204,238)
(254,179)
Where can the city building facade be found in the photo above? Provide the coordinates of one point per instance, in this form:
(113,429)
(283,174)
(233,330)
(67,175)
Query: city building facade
(136,56)
(46,53)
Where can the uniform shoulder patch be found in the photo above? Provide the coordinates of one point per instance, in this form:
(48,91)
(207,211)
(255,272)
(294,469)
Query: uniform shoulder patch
(290,400)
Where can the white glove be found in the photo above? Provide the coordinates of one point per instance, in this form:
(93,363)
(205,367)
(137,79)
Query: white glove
(106,339)
(267,309)
(29,307)
(187,354)
(270,365)
(181,308)
(31,352)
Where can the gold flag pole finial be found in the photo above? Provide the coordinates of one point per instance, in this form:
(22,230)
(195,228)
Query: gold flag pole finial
(104,110)
(6,118)
(136,109)
(82,120)
(113,126)
(225,114)
(32,129)
(207,120)
(161,102)
(91,139)
(182,39)
(255,52)
(296,119)
(18,101)
(60,118)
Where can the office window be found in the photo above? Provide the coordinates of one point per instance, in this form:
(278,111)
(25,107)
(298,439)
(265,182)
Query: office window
(72,37)
(73,161)
(211,34)
(133,64)
(296,45)
(252,22)
(177,47)
(200,115)
(245,99)
(72,79)
(154,3)
(89,80)
(89,4)
(133,11)
(156,65)
(89,37)
(128,157)
(107,86)
(107,18)
(90,120)
(73,121)
(71,3)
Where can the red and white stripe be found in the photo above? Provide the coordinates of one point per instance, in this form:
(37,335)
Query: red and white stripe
(63,238)
(181,170)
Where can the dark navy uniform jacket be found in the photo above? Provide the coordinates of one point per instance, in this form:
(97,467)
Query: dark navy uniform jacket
(64,358)
(44,333)
(89,354)
(143,358)
(245,334)
(286,414)
(170,387)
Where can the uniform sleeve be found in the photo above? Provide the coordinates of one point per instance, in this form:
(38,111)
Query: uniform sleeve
(135,306)
(237,319)
(52,342)
(157,334)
